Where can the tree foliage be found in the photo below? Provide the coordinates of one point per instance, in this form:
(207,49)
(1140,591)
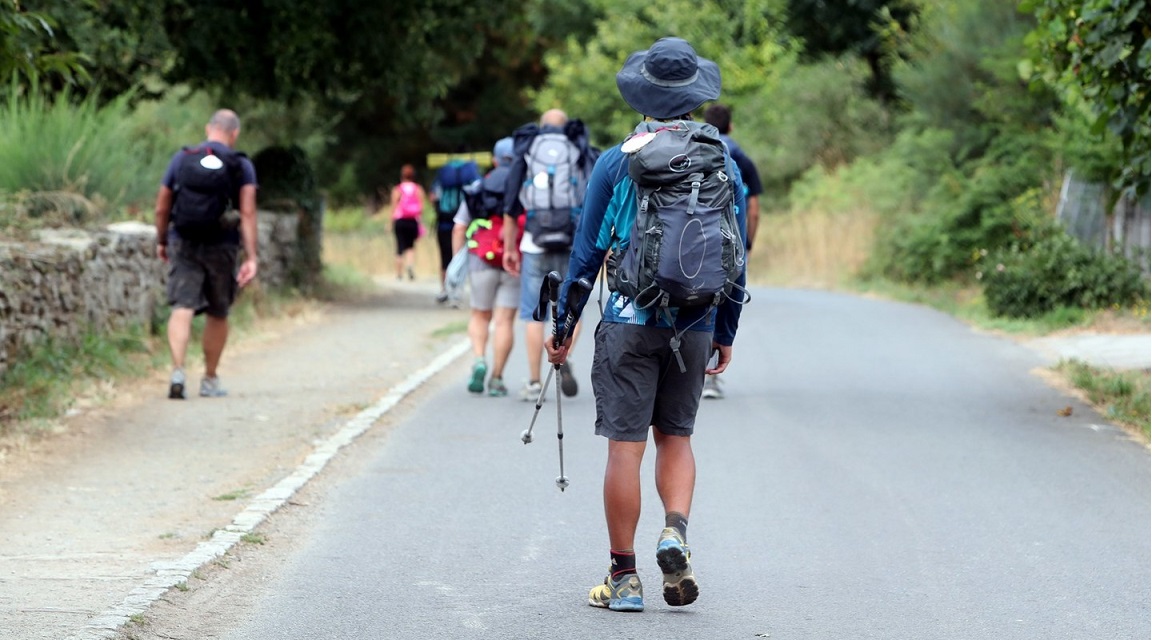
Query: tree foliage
(28,51)
(740,37)
(120,44)
(1096,52)
(870,29)
(396,80)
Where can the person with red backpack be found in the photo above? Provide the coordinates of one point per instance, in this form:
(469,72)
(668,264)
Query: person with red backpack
(407,206)
(495,293)
(199,235)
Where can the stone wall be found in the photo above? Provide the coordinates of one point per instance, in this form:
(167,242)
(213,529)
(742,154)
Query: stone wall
(70,281)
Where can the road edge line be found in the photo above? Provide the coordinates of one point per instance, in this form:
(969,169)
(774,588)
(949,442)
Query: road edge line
(169,574)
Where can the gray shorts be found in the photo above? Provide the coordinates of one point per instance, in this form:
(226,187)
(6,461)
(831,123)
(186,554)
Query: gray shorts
(637,381)
(202,277)
(492,287)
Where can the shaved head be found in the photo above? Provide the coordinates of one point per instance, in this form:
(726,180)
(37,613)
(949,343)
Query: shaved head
(225,120)
(223,126)
(553,118)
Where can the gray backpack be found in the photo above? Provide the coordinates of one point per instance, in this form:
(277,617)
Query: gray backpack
(685,249)
(553,190)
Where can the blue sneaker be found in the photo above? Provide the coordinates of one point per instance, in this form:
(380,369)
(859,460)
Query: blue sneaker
(624,595)
(479,370)
(673,556)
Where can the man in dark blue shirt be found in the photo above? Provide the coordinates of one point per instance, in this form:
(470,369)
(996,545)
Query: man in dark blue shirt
(203,276)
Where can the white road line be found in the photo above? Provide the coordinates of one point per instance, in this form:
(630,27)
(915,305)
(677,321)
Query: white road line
(170,574)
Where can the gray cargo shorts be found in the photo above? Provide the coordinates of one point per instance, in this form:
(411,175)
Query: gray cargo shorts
(202,277)
(637,381)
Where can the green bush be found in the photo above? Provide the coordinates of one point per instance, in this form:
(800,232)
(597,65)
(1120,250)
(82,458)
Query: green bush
(1030,279)
(985,205)
(59,144)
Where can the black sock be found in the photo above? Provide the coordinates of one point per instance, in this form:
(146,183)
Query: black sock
(677,521)
(623,562)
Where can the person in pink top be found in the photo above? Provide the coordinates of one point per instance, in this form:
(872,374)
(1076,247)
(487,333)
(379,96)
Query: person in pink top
(408,200)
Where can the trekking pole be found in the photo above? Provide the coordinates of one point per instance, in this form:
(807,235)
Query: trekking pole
(549,293)
(576,294)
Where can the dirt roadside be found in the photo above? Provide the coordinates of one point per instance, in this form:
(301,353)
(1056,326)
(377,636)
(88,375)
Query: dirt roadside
(142,480)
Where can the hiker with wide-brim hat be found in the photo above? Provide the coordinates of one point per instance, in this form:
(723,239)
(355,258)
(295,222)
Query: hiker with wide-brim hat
(668,80)
(642,380)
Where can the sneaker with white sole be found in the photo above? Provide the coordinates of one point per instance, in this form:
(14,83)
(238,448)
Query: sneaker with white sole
(210,388)
(625,594)
(176,385)
(672,554)
(712,390)
(531,391)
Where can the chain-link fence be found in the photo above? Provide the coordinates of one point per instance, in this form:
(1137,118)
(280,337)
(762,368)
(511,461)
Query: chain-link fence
(1083,209)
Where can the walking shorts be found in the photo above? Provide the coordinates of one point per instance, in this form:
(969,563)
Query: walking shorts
(202,277)
(406,231)
(492,287)
(637,381)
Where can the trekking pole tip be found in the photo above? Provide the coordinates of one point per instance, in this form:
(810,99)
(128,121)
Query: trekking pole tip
(562,482)
(526,436)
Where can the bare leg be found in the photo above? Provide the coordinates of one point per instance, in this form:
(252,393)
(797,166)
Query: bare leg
(534,345)
(622,492)
(675,471)
(179,333)
(409,260)
(215,336)
(478,331)
(502,339)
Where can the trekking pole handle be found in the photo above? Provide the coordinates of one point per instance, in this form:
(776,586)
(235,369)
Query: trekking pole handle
(577,292)
(553,281)
(549,293)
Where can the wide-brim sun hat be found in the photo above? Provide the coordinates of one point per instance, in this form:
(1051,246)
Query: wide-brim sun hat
(668,80)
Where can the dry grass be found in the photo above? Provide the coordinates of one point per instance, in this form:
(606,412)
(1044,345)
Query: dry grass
(796,249)
(811,249)
(371,250)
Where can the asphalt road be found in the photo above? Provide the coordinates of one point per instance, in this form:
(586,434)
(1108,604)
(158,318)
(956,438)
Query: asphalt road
(877,470)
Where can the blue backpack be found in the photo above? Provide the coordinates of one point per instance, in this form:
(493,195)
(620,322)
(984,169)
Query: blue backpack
(452,178)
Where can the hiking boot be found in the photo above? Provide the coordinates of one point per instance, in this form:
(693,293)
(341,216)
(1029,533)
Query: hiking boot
(476,382)
(626,594)
(442,297)
(176,385)
(496,388)
(712,388)
(531,391)
(673,556)
(210,388)
(567,381)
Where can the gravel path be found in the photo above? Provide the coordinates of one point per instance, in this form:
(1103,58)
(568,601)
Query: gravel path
(139,483)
